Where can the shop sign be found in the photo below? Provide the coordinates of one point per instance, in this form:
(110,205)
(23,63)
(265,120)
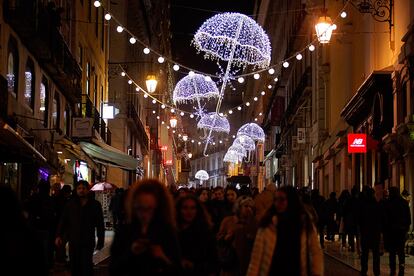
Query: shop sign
(357,143)
(301,135)
(164,148)
(168,162)
(82,127)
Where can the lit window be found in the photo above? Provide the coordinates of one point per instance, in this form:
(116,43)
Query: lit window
(29,88)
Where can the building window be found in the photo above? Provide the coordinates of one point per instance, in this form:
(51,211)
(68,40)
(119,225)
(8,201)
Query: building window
(66,120)
(55,111)
(29,81)
(88,78)
(12,67)
(44,100)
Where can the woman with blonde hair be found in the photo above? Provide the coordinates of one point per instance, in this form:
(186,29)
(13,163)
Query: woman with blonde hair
(147,244)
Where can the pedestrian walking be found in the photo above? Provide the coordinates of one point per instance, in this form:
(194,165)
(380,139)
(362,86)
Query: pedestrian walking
(318,201)
(116,206)
(264,200)
(236,237)
(81,217)
(371,221)
(350,217)
(41,217)
(396,226)
(197,241)
(203,195)
(60,202)
(331,209)
(342,201)
(231,195)
(147,243)
(22,251)
(217,208)
(287,241)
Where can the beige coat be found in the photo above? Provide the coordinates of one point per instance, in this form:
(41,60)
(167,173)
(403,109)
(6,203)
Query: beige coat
(264,246)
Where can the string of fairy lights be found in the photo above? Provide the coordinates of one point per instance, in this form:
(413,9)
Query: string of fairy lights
(178,67)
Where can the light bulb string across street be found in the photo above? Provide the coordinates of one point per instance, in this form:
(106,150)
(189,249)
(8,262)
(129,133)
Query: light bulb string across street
(178,65)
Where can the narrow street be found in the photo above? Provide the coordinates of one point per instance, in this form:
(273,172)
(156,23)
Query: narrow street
(335,267)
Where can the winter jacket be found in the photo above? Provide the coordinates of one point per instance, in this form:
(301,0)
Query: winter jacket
(311,256)
(78,223)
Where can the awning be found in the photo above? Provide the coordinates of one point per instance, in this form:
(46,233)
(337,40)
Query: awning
(107,155)
(14,148)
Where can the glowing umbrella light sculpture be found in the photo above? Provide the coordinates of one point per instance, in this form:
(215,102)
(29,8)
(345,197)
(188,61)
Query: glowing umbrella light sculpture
(202,175)
(252,130)
(237,150)
(246,142)
(235,38)
(231,157)
(214,122)
(194,88)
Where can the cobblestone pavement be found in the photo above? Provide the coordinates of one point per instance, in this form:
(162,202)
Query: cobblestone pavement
(334,250)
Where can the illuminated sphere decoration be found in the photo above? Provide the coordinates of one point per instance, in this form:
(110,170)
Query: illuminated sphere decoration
(252,130)
(238,150)
(234,37)
(246,142)
(214,122)
(194,87)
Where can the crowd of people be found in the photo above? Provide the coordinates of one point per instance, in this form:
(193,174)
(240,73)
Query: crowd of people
(218,231)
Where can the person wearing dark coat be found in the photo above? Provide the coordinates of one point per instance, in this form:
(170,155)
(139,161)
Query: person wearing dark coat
(81,217)
(397,223)
(371,221)
(21,251)
(147,243)
(350,214)
(317,202)
(331,209)
(41,217)
(197,242)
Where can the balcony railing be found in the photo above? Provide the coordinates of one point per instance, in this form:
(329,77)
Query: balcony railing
(89,110)
(37,25)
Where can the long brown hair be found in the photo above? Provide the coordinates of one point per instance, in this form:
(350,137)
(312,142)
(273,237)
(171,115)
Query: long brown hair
(202,218)
(164,213)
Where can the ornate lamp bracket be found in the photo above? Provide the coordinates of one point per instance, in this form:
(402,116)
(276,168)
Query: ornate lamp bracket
(381,10)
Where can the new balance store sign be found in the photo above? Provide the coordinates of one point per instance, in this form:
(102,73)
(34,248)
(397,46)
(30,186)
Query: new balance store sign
(357,143)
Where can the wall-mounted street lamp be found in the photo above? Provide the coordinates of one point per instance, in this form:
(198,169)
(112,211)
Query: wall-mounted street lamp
(324,26)
(151,83)
(173,121)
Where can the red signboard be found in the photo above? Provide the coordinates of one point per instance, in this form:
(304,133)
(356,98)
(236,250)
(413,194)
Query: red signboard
(357,143)
(164,148)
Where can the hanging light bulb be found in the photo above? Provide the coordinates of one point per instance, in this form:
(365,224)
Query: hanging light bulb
(145,95)
(255,99)
(158,117)
(263,93)
(221,114)
(151,83)
(97,4)
(271,71)
(185,137)
(276,79)
(256,76)
(269,86)
(191,116)
(311,47)
(132,40)
(240,80)
(239,108)
(163,106)
(207,78)
(161,59)
(190,155)
(299,56)
(123,74)
(247,104)
(255,119)
(234,136)
(181,113)
(129,81)
(260,114)
(230,111)
(191,73)
(286,64)
(176,67)
(199,143)
(344,14)
(172,110)
(168,127)
(324,28)
(146,51)
(192,141)
(119,29)
(154,101)
(137,89)
(108,16)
